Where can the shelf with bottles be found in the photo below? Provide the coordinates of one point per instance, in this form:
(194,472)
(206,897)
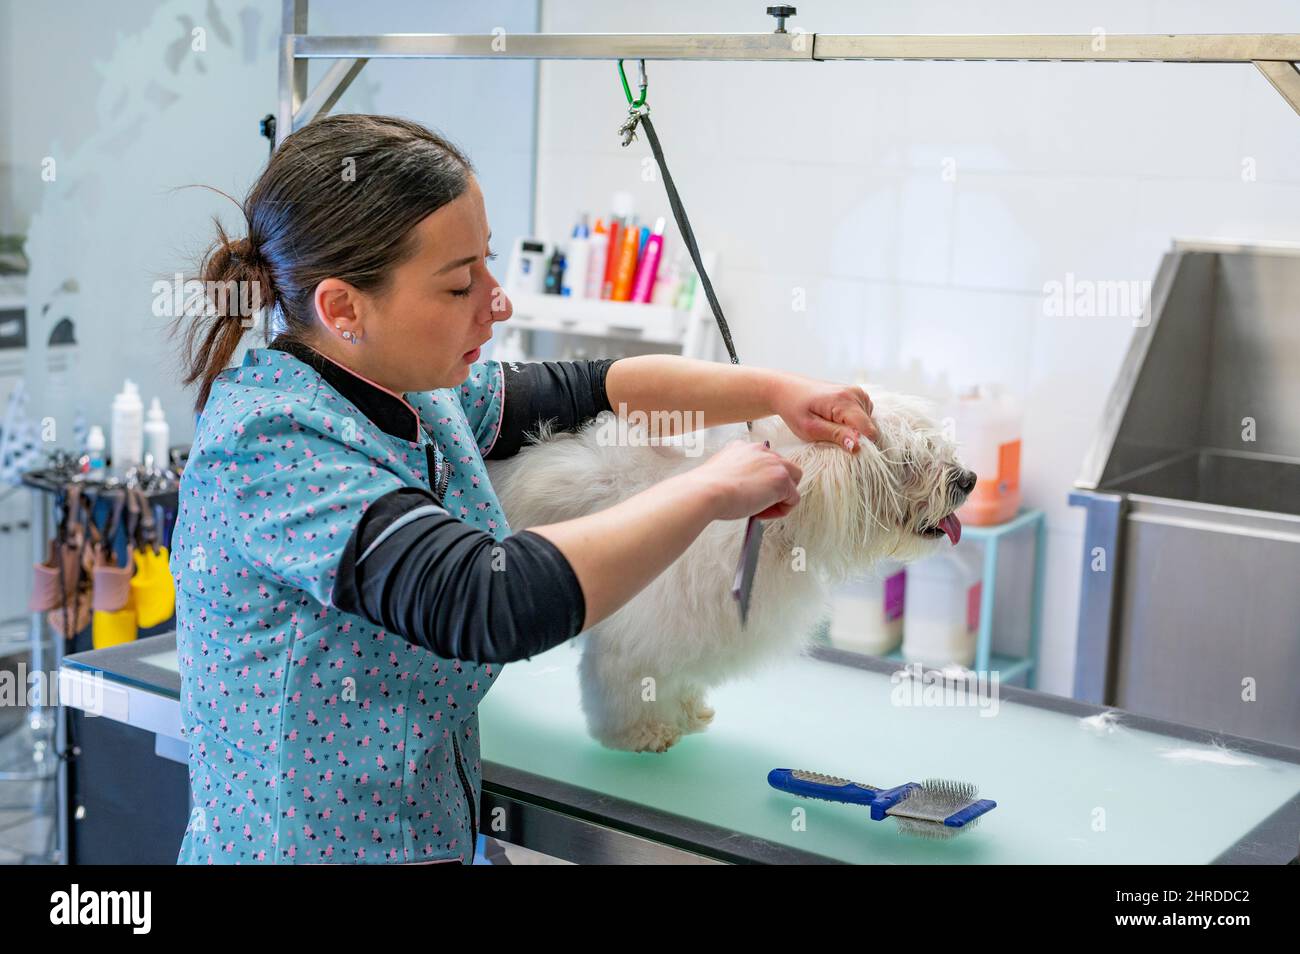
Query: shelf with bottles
(684,325)
(661,324)
(613,282)
(1009,667)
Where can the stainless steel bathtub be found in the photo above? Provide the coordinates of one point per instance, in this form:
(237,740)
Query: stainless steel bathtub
(1191,568)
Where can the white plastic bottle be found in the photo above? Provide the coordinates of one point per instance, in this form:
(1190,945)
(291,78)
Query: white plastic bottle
(526,273)
(574,284)
(988,424)
(157,436)
(867,615)
(95,450)
(665,290)
(944,593)
(127,428)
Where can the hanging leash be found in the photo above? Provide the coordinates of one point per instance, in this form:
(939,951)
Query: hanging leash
(639,115)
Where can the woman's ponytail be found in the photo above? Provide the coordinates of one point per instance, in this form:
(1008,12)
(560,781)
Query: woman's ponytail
(236,285)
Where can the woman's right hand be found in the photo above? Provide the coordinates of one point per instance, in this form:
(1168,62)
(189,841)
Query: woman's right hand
(749,479)
(617,552)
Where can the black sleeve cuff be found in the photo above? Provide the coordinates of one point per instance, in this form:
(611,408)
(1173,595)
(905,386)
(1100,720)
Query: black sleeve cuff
(567,393)
(417,571)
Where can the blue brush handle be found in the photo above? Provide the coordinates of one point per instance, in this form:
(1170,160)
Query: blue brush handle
(849,793)
(970,812)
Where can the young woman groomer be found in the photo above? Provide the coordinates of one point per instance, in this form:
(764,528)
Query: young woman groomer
(338,617)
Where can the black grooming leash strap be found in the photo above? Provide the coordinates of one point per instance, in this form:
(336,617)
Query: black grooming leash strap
(688,235)
(748,564)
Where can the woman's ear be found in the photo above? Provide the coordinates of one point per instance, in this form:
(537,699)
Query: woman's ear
(338,310)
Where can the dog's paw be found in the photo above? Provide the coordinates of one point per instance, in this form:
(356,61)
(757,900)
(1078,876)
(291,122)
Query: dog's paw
(697,713)
(646,737)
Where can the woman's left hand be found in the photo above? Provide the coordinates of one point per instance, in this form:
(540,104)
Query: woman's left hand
(822,411)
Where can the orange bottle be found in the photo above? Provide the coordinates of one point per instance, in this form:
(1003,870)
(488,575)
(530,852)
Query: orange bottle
(611,258)
(629,241)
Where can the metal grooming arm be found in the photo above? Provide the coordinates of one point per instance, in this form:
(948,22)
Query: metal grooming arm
(1275,55)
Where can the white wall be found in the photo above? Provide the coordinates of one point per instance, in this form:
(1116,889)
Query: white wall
(829,177)
(116,95)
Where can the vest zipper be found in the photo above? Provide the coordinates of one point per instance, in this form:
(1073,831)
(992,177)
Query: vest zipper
(439,470)
(439,475)
(469,794)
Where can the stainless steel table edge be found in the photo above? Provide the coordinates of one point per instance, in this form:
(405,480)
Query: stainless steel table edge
(583,826)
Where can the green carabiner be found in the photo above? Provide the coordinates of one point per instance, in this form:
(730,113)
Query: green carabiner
(627,90)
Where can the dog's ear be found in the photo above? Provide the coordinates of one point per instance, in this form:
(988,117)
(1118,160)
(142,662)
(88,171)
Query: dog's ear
(918,452)
(833,508)
(909,465)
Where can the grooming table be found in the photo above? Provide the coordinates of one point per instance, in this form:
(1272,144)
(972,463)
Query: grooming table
(1148,792)
(1163,792)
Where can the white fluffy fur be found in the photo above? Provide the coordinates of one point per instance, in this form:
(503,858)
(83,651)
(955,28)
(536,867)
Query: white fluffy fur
(683,630)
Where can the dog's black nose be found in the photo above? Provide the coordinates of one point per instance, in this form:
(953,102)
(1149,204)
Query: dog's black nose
(965,480)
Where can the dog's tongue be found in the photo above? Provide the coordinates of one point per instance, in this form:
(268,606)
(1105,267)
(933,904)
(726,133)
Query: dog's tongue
(951,526)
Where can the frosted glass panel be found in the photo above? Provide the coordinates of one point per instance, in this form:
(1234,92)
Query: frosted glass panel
(1055,781)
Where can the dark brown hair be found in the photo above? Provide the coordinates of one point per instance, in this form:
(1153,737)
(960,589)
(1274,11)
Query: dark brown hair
(338,199)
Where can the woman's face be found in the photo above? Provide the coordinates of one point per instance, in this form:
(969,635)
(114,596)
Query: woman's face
(429,325)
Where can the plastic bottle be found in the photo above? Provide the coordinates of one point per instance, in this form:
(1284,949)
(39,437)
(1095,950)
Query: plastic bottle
(665,289)
(526,273)
(157,436)
(574,284)
(943,608)
(95,451)
(867,615)
(988,428)
(648,267)
(625,272)
(598,256)
(623,205)
(554,274)
(685,296)
(127,428)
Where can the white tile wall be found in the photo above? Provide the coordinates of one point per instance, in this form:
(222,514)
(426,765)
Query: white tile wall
(922,206)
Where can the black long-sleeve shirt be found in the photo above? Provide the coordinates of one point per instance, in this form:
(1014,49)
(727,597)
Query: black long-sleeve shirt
(416,570)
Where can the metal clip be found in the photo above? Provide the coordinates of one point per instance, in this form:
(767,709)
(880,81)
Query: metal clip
(628,129)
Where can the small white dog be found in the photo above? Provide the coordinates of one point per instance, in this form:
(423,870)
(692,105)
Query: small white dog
(645,668)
